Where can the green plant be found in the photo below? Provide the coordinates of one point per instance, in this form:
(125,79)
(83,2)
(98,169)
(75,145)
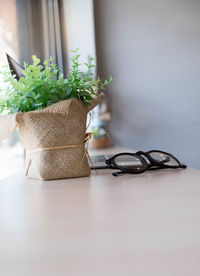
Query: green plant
(42,86)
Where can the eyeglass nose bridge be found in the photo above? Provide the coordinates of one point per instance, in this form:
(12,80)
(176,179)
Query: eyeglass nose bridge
(140,152)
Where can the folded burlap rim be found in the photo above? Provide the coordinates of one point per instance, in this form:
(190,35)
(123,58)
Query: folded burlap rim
(8,123)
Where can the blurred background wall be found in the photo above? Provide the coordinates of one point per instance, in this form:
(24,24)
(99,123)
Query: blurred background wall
(152,49)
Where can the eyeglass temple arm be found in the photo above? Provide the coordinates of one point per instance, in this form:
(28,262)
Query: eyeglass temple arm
(117,173)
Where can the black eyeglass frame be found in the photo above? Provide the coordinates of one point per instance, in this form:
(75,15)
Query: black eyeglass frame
(152,165)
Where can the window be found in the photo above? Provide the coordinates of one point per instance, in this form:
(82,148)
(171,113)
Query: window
(10,150)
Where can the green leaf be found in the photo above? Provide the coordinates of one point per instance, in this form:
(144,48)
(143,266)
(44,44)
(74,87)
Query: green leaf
(42,86)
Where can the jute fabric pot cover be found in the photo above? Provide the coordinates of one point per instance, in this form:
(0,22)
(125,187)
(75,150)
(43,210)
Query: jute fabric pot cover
(54,139)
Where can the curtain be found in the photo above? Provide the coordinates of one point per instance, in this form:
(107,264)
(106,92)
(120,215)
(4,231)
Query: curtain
(39,30)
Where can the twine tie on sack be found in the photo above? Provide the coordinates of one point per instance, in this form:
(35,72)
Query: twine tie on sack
(55,148)
(87,138)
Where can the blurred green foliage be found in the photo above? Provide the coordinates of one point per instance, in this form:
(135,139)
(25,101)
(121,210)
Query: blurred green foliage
(42,85)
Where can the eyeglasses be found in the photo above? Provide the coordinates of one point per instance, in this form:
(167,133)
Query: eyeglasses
(139,162)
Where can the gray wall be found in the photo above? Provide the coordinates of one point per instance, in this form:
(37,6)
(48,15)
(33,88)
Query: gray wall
(152,49)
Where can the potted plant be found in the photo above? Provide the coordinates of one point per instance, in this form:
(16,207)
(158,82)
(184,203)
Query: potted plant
(99,139)
(99,126)
(50,112)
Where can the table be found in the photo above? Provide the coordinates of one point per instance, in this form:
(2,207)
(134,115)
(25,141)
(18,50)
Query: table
(146,224)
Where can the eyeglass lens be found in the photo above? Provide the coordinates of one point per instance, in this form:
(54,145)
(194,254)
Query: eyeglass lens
(129,162)
(164,158)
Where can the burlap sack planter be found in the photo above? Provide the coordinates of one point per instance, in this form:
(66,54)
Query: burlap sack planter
(54,139)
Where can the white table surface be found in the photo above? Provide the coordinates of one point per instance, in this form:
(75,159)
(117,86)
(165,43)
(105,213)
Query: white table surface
(146,224)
